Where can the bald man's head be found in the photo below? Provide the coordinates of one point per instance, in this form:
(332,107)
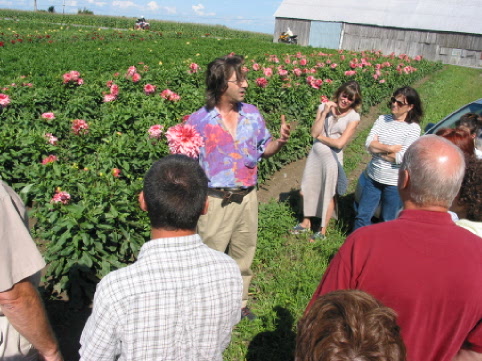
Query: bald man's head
(431,173)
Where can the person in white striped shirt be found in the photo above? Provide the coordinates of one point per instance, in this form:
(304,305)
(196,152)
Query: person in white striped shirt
(388,140)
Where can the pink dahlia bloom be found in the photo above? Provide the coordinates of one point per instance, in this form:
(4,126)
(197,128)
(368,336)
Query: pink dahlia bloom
(262,82)
(194,68)
(155,131)
(109,98)
(170,95)
(136,77)
(80,126)
(256,67)
(131,71)
(48,115)
(149,89)
(51,139)
(67,78)
(316,83)
(324,99)
(282,72)
(333,66)
(350,72)
(184,139)
(267,72)
(297,71)
(328,81)
(49,159)
(60,197)
(418,58)
(114,89)
(4,100)
(80,81)
(303,62)
(74,75)
(116,172)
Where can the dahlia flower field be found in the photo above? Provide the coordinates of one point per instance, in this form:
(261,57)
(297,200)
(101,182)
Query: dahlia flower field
(85,111)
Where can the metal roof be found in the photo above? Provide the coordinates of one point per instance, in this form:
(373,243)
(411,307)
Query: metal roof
(464,16)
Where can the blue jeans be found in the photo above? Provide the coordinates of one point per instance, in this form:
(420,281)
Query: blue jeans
(372,193)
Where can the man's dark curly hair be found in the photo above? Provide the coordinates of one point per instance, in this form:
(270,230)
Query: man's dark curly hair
(470,195)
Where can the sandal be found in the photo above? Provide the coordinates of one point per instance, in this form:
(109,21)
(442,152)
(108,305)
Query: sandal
(318,236)
(298,229)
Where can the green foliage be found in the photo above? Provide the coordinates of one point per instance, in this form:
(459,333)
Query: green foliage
(51,9)
(101,228)
(85,11)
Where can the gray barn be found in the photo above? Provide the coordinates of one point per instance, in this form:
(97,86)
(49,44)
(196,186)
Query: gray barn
(449,31)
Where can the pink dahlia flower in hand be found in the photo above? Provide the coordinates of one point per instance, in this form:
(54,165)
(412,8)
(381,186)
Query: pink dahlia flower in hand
(184,139)
(155,131)
(60,197)
(4,100)
(48,115)
(80,126)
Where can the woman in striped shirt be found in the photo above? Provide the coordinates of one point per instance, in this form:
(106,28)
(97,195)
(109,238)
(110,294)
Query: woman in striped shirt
(387,142)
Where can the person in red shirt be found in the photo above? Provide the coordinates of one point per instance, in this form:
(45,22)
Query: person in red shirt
(421,265)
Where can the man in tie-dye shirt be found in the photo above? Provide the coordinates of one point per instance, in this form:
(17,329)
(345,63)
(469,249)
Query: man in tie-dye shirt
(235,139)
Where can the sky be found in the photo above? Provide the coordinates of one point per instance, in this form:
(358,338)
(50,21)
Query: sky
(251,15)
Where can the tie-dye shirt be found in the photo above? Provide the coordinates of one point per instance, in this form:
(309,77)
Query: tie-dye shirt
(231,162)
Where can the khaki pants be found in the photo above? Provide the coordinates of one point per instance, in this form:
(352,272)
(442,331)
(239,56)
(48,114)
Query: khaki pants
(13,346)
(233,229)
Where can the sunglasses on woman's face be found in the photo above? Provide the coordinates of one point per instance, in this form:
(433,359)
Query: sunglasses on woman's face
(398,102)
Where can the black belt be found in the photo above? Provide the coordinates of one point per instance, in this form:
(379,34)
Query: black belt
(230,194)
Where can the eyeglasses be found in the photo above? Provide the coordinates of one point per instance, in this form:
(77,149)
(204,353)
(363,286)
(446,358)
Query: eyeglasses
(238,81)
(346,96)
(398,102)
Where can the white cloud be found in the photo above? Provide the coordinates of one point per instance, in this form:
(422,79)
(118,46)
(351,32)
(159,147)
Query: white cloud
(199,10)
(170,9)
(71,3)
(153,6)
(96,3)
(124,4)
(7,3)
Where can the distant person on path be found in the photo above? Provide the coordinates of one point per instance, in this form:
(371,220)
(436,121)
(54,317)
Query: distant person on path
(349,325)
(422,264)
(25,332)
(235,139)
(335,123)
(388,140)
(180,299)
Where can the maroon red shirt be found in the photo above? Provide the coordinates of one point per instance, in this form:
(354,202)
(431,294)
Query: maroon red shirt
(424,267)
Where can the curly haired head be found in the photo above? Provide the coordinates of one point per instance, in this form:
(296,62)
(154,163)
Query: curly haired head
(470,196)
(349,325)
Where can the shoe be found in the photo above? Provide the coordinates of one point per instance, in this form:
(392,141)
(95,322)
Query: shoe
(318,236)
(298,229)
(246,313)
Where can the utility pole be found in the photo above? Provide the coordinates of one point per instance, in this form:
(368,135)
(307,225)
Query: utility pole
(35,5)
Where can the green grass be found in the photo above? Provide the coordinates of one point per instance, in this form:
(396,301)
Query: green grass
(448,90)
(288,268)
